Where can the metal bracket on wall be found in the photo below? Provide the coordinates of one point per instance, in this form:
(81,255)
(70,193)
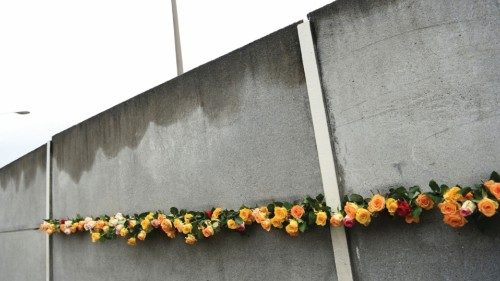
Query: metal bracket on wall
(325,154)
(48,211)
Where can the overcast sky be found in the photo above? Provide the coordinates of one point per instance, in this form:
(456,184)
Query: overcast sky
(67,60)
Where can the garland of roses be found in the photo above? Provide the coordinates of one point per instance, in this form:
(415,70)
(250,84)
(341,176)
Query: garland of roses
(457,204)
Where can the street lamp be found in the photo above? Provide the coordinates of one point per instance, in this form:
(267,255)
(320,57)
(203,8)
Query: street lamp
(23,112)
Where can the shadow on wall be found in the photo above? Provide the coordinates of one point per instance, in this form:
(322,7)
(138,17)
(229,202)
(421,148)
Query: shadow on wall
(24,169)
(215,88)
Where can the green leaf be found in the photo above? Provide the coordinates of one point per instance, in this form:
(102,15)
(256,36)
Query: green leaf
(311,218)
(416,212)
(434,186)
(320,197)
(356,198)
(238,220)
(174,211)
(270,208)
(302,227)
(287,205)
(495,176)
(465,190)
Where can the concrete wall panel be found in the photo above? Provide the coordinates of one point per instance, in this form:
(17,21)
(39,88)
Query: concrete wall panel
(22,191)
(412,94)
(22,256)
(236,130)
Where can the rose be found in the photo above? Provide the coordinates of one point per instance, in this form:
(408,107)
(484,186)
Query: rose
(377,203)
(403,208)
(321,218)
(208,214)
(186,228)
(280,212)
(453,194)
(297,211)
(67,231)
(363,216)
(424,202)
(454,220)
(155,223)
(336,219)
(240,228)
(113,222)
(142,235)
(123,232)
(145,223)
(277,222)
(95,236)
(166,225)
(178,224)
(231,224)
(258,215)
(292,228)
(216,213)
(208,231)
(411,219)
(348,221)
(350,209)
(246,215)
(448,207)
(487,207)
(188,217)
(391,205)
(150,216)
(89,225)
(131,241)
(190,239)
(266,224)
(468,207)
(494,189)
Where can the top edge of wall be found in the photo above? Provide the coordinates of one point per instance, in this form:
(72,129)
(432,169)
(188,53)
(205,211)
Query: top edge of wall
(28,156)
(334,6)
(290,28)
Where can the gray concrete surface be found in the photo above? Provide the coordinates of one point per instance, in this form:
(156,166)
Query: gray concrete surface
(412,93)
(236,130)
(22,256)
(22,191)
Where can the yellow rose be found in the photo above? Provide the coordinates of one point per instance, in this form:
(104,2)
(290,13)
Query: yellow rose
(424,202)
(377,203)
(280,213)
(145,223)
(123,232)
(363,216)
(166,225)
(453,194)
(178,224)
(321,218)
(190,239)
(95,236)
(142,235)
(231,224)
(392,205)
(187,217)
(149,217)
(350,209)
(336,219)
(216,213)
(132,223)
(292,228)
(266,224)
(277,222)
(170,234)
(186,228)
(487,207)
(411,219)
(131,241)
(246,215)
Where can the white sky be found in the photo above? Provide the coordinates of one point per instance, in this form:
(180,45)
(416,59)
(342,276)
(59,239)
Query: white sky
(67,60)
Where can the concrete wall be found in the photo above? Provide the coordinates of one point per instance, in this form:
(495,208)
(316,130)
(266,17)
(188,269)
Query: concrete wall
(412,94)
(22,206)
(236,130)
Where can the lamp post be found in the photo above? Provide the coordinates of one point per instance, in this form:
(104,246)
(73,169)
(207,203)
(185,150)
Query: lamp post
(177,39)
(23,112)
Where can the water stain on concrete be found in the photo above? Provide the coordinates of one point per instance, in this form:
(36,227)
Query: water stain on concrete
(23,169)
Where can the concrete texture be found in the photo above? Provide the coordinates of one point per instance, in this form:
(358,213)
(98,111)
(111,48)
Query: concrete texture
(412,94)
(236,130)
(22,256)
(22,191)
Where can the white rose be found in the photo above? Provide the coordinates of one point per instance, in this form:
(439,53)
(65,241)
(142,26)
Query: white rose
(67,231)
(68,223)
(113,222)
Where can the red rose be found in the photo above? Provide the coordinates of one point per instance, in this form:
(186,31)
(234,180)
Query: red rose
(403,208)
(208,214)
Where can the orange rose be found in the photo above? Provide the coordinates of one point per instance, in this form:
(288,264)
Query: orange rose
(487,207)
(424,202)
(495,190)
(350,209)
(336,219)
(363,216)
(131,241)
(297,211)
(190,239)
(489,183)
(292,228)
(377,203)
(469,196)
(277,222)
(280,213)
(266,224)
(208,231)
(448,207)
(246,215)
(410,219)
(454,220)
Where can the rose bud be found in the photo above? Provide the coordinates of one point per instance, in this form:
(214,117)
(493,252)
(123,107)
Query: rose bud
(468,207)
